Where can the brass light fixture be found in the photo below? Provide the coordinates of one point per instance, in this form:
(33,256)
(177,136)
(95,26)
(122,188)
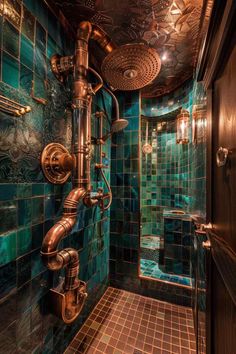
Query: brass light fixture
(183,121)
(199,123)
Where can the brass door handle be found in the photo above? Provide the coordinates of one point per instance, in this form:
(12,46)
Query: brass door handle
(222,156)
(206,245)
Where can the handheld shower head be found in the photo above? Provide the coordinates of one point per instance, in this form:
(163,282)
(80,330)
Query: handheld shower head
(118,125)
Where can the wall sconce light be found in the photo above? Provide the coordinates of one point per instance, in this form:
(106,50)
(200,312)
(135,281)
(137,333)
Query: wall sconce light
(199,123)
(183,120)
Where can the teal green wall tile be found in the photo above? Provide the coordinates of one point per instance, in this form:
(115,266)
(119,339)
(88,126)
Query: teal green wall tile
(24,212)
(37,189)
(7,247)
(40,64)
(40,38)
(37,210)
(26,52)
(8,216)
(26,79)
(10,39)
(24,241)
(8,191)
(28,23)
(24,190)
(10,70)
(51,47)
(39,87)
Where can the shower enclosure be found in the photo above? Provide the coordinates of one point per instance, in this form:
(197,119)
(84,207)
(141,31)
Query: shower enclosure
(165,225)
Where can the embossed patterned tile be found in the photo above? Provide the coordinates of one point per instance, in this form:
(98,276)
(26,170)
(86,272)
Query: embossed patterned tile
(126,323)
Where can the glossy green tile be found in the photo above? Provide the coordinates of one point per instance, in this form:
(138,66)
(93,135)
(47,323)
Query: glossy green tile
(28,23)
(24,241)
(26,52)
(51,47)
(10,70)
(37,189)
(8,216)
(24,190)
(26,79)
(37,210)
(40,38)
(10,39)
(7,247)
(39,87)
(24,212)
(40,63)
(8,191)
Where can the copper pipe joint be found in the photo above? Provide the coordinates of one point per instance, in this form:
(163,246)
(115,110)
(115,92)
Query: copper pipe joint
(102,39)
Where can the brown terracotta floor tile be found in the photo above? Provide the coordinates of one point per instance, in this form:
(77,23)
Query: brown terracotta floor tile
(126,323)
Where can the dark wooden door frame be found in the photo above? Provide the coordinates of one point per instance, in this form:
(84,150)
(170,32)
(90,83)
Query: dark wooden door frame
(218,45)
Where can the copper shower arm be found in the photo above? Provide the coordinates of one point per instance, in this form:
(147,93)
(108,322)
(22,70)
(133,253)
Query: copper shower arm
(102,38)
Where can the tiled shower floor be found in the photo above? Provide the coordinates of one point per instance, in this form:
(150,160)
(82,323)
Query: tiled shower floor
(126,323)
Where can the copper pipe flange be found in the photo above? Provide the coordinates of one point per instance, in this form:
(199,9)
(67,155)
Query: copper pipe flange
(57,163)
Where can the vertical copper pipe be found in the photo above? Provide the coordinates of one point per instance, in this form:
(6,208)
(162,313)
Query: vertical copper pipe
(81,142)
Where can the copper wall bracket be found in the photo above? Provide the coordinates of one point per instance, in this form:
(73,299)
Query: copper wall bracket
(67,305)
(57,163)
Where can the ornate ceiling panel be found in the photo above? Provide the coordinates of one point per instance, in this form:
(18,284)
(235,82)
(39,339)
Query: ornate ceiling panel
(172,27)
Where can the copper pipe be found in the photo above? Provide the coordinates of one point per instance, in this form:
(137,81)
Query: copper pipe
(102,39)
(100,84)
(52,257)
(81,151)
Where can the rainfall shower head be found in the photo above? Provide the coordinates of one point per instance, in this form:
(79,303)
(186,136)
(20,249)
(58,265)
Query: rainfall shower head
(131,66)
(118,125)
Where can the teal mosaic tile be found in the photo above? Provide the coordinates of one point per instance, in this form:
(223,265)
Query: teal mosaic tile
(8,191)
(10,70)
(7,247)
(40,69)
(10,39)
(24,212)
(24,190)
(40,37)
(39,85)
(26,79)
(8,216)
(26,52)
(28,23)
(24,241)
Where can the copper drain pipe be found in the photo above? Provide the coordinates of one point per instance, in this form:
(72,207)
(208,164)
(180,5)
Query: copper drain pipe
(58,164)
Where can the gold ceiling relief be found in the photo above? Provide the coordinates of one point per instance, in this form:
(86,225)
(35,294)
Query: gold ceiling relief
(171,27)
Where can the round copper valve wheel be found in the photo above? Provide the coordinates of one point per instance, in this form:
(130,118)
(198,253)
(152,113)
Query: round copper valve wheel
(56,163)
(131,66)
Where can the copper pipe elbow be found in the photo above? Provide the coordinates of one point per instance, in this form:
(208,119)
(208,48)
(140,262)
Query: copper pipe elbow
(84,31)
(102,39)
(49,251)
